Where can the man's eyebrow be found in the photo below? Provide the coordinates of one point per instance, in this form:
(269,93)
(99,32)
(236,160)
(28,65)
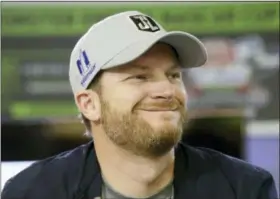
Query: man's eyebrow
(145,68)
(139,67)
(175,66)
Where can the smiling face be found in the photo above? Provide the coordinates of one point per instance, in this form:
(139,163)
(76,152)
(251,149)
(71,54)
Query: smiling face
(142,103)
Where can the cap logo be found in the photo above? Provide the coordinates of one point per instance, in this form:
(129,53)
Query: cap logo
(84,67)
(145,23)
(83,62)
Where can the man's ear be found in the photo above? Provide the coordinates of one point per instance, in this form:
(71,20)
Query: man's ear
(88,103)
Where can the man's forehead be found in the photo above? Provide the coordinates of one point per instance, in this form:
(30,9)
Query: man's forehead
(173,66)
(148,67)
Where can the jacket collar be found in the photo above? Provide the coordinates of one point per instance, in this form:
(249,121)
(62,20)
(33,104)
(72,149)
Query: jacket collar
(91,181)
(90,186)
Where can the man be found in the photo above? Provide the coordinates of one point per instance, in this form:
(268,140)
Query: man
(125,73)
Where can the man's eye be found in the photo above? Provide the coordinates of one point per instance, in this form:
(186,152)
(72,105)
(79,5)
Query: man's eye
(141,77)
(175,75)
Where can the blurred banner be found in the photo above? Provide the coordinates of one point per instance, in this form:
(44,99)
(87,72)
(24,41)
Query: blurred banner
(69,19)
(242,71)
(243,42)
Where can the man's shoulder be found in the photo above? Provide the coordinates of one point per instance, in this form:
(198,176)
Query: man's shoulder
(46,173)
(238,174)
(226,163)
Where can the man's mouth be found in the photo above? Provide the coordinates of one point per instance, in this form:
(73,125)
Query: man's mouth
(160,109)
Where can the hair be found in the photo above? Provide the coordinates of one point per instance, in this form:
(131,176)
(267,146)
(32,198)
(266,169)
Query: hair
(95,85)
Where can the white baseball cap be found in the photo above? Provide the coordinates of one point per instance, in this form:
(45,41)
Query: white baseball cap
(120,39)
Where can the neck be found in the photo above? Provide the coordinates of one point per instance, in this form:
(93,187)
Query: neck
(130,175)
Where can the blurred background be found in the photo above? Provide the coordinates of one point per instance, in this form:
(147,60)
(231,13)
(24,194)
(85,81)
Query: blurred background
(233,100)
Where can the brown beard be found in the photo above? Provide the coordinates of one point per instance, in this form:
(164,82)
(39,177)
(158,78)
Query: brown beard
(132,133)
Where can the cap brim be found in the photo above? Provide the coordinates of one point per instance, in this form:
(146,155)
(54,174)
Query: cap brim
(190,49)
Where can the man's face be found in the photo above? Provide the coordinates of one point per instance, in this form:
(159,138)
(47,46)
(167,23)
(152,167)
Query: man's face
(143,103)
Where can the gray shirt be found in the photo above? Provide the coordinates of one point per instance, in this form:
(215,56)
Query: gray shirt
(109,193)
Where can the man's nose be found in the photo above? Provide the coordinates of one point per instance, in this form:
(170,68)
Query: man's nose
(163,90)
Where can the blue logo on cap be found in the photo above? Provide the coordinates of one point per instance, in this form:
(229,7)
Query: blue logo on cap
(83,62)
(84,67)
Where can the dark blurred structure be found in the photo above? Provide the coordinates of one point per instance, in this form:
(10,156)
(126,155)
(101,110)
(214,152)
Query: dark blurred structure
(22,141)
(225,134)
(240,82)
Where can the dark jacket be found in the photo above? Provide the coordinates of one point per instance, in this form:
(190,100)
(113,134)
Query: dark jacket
(199,174)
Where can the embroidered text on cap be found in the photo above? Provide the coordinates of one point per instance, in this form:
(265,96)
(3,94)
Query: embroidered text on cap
(145,23)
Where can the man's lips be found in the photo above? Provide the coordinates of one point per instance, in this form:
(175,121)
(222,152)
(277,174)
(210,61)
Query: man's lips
(159,109)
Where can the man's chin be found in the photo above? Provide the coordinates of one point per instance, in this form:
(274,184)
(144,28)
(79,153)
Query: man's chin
(162,125)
